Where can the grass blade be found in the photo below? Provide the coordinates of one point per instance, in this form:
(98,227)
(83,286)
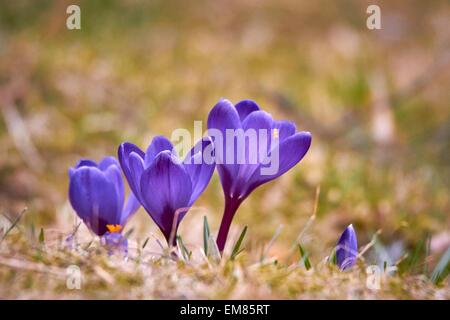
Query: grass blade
(184,251)
(442,269)
(88,245)
(271,242)
(304,255)
(14,224)
(416,255)
(311,219)
(145,243)
(206,234)
(32,231)
(333,259)
(41,236)
(237,246)
(128,233)
(214,252)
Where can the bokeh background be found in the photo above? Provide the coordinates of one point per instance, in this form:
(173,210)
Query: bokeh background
(376,102)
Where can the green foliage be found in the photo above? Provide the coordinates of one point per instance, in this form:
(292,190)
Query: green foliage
(304,256)
(332,259)
(442,269)
(184,251)
(415,261)
(213,250)
(128,233)
(145,242)
(13,224)
(206,234)
(237,246)
(41,236)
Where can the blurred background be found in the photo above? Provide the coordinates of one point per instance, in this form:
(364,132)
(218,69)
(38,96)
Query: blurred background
(376,102)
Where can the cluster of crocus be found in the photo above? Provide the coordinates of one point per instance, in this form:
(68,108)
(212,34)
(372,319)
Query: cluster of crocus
(167,187)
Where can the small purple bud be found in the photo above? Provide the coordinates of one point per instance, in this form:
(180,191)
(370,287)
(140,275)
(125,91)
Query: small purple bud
(347,249)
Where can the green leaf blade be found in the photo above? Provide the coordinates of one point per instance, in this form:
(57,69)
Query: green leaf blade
(237,246)
(41,236)
(304,255)
(206,234)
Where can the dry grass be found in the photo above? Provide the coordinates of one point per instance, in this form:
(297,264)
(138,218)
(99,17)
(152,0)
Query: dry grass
(39,272)
(376,103)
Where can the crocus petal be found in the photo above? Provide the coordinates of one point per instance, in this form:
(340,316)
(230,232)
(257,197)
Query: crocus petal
(259,124)
(281,130)
(285,129)
(82,163)
(199,167)
(94,198)
(72,171)
(224,116)
(290,152)
(165,188)
(347,248)
(107,162)
(114,175)
(131,172)
(124,151)
(136,166)
(131,206)
(158,144)
(86,163)
(245,107)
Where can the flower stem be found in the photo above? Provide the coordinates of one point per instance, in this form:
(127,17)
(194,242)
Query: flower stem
(231,206)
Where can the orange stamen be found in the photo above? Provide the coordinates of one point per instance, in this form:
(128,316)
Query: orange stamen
(114,228)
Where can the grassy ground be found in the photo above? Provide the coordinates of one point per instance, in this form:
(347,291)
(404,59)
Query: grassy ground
(376,103)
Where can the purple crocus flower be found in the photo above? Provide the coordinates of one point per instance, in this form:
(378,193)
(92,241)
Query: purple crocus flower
(97,194)
(244,166)
(166,187)
(347,249)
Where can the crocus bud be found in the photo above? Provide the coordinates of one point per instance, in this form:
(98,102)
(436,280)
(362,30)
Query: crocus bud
(347,249)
